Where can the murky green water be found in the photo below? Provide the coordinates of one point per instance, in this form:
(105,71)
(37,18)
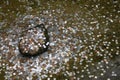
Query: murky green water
(85,33)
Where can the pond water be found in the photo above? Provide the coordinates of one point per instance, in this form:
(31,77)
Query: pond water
(84,39)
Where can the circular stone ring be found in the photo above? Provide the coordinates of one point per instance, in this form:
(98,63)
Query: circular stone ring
(34,41)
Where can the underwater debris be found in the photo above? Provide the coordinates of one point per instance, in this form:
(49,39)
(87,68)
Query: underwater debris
(34,41)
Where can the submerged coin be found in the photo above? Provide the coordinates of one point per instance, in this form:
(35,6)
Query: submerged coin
(34,41)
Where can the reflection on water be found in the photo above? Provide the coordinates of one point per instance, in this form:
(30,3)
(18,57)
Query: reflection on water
(84,40)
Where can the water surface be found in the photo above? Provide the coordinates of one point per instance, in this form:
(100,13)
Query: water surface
(84,40)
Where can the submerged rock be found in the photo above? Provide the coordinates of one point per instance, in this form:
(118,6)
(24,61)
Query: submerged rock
(34,41)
